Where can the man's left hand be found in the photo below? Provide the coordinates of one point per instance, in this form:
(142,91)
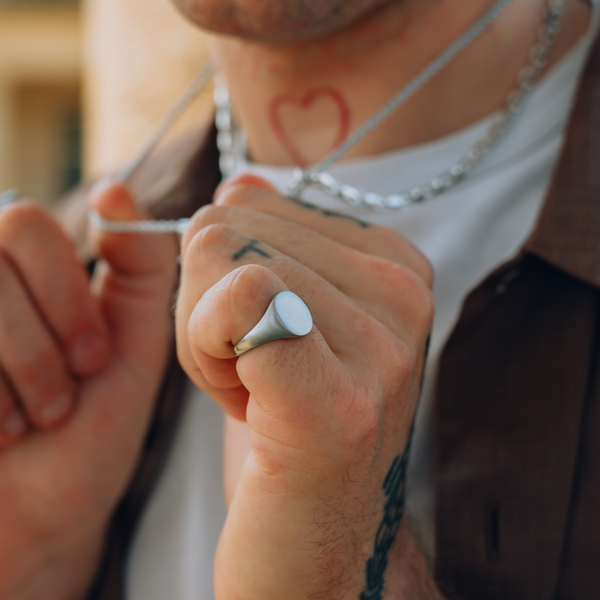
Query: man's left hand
(319,499)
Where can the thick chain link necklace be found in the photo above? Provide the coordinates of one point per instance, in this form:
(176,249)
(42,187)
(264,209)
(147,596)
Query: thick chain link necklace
(539,56)
(317,176)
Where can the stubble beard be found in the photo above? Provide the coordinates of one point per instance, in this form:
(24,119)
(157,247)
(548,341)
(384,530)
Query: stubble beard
(277,21)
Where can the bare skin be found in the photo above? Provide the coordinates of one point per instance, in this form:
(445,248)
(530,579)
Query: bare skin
(289,113)
(62,476)
(296,102)
(329,415)
(62,470)
(284,22)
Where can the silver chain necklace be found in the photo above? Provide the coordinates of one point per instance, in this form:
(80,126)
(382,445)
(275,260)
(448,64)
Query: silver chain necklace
(539,57)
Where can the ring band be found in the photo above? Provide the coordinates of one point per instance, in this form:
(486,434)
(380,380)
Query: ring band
(8,197)
(286,317)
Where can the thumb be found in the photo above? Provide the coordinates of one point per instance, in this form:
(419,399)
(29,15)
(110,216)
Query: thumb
(128,253)
(137,280)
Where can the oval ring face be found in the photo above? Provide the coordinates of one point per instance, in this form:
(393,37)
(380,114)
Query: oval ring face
(293,312)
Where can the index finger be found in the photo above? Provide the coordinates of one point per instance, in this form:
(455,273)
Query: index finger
(46,262)
(366,237)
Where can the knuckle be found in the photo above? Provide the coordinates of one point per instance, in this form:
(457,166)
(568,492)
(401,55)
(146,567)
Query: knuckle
(393,360)
(237,195)
(207,215)
(12,422)
(406,252)
(388,237)
(253,283)
(396,246)
(363,428)
(215,235)
(395,356)
(423,268)
(212,238)
(403,361)
(407,292)
(423,307)
(396,278)
(37,369)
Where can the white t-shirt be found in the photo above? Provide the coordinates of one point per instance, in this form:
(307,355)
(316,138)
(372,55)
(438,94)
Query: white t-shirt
(465,233)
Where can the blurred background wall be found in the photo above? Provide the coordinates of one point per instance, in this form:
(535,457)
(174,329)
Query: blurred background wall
(40,85)
(139,55)
(82,83)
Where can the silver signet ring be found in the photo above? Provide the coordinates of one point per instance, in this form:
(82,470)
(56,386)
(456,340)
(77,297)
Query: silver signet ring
(286,317)
(8,197)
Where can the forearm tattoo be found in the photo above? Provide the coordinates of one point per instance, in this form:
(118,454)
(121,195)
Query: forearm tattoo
(394,489)
(251,246)
(327,213)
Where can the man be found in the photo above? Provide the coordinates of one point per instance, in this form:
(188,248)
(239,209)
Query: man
(317,495)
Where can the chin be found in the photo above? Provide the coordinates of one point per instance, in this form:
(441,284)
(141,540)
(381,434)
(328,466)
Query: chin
(276,21)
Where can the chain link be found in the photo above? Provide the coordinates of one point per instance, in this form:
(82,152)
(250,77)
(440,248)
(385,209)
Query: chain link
(539,57)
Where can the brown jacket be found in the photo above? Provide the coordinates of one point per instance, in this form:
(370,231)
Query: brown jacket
(518,392)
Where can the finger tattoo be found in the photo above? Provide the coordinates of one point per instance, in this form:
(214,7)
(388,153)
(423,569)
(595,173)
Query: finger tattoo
(327,213)
(251,246)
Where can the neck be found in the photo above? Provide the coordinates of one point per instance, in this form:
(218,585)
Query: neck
(295,103)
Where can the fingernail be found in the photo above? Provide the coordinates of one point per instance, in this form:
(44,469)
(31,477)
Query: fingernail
(13,425)
(245,179)
(102,184)
(57,408)
(87,353)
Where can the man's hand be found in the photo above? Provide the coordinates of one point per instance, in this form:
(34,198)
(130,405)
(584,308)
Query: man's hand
(79,370)
(319,499)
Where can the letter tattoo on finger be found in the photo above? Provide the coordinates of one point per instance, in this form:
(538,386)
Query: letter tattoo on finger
(251,246)
(325,212)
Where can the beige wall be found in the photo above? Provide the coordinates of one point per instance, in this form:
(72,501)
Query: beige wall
(40,68)
(140,54)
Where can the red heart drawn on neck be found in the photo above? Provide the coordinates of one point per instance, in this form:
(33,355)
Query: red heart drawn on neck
(304,105)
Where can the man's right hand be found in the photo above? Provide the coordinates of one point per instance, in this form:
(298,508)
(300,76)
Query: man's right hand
(80,367)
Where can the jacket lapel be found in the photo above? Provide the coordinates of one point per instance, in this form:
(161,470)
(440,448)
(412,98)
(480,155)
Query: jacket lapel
(514,392)
(511,392)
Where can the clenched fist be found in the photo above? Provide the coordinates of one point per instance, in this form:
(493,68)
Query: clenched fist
(317,494)
(80,367)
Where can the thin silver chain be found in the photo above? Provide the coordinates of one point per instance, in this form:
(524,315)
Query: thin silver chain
(539,56)
(225,126)
(198,83)
(151,226)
